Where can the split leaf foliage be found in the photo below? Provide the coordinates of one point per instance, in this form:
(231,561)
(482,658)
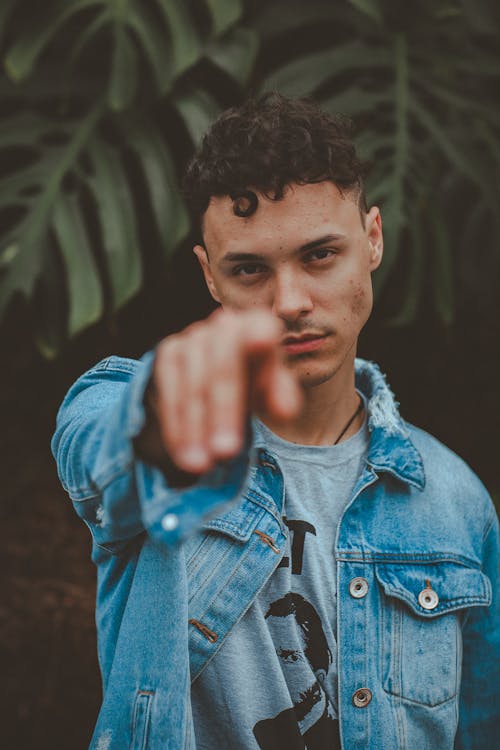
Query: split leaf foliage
(103,101)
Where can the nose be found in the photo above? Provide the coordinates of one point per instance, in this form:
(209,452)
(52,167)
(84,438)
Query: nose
(291,296)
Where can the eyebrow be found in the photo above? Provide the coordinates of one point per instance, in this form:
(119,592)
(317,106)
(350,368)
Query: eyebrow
(232,257)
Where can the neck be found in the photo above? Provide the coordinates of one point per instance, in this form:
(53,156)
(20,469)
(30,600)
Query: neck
(327,409)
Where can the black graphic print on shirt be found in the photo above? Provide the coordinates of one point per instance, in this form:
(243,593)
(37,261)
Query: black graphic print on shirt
(299,530)
(299,637)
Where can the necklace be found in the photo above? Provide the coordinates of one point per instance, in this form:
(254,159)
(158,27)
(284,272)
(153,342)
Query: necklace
(351,420)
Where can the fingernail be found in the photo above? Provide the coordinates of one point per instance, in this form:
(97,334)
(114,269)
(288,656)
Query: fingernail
(225,442)
(194,457)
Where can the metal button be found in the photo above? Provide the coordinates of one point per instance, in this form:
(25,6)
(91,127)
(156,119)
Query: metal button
(362,697)
(428,599)
(169,522)
(358,588)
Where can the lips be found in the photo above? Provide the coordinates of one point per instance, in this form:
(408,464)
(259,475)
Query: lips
(306,342)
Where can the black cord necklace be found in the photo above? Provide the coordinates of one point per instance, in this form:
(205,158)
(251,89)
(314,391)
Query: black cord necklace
(351,420)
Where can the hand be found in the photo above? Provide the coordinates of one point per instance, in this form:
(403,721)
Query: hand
(208,378)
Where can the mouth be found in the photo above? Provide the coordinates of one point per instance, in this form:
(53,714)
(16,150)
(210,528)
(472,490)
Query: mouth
(306,342)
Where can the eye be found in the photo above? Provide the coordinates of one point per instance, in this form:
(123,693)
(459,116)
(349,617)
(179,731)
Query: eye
(288,655)
(247,269)
(322,253)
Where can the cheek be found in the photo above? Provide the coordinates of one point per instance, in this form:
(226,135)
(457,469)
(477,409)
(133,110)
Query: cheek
(240,300)
(361,300)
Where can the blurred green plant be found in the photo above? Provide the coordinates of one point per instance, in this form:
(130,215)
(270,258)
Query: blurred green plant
(102,102)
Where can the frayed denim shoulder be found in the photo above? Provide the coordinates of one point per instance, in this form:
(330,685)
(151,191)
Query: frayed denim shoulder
(391,448)
(382,407)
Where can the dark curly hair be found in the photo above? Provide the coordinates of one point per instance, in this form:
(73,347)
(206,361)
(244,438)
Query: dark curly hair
(266,144)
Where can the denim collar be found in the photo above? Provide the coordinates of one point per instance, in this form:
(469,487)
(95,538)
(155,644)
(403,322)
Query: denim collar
(391,449)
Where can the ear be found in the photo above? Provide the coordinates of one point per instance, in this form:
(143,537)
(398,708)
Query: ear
(202,256)
(375,237)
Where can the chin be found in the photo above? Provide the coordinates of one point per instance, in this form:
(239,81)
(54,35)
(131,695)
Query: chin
(314,371)
(313,374)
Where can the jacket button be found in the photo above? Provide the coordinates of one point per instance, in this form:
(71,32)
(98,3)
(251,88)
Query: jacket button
(358,588)
(428,599)
(169,522)
(362,697)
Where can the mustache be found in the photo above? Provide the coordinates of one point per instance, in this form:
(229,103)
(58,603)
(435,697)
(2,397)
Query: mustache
(297,327)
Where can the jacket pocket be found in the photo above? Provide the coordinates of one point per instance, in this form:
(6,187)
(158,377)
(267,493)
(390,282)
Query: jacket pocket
(421,613)
(140,719)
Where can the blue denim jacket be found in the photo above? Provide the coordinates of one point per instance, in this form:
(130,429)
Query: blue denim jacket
(420,638)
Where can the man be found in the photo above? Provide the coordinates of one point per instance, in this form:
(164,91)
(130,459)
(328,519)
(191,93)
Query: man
(282,560)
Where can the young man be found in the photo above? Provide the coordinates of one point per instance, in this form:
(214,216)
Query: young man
(283,562)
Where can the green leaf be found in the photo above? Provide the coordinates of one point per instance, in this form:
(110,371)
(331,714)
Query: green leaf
(24,265)
(461,102)
(153,43)
(235,53)
(85,295)
(490,141)
(50,83)
(354,101)
(415,252)
(443,268)
(393,218)
(370,7)
(394,207)
(26,129)
(482,15)
(370,142)
(25,51)
(5,10)
(158,169)
(378,190)
(306,74)
(16,189)
(116,211)
(198,110)
(186,45)
(92,28)
(224,13)
(284,16)
(471,59)
(124,74)
(477,173)
(49,305)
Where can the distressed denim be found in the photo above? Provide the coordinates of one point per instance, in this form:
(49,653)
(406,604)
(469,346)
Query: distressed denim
(177,568)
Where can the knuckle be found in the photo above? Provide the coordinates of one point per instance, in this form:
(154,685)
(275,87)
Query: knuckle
(167,348)
(194,329)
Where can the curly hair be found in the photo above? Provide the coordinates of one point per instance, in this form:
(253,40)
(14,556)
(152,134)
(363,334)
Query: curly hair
(266,144)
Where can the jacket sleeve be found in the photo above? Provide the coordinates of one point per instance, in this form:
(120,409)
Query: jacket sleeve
(117,494)
(479,718)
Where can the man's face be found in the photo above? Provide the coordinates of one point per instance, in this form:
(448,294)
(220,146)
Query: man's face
(307,258)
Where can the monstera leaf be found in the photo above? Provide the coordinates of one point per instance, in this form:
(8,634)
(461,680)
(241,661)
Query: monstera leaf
(70,221)
(103,102)
(420,91)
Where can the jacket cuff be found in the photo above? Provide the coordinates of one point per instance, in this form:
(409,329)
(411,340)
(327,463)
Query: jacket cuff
(174,503)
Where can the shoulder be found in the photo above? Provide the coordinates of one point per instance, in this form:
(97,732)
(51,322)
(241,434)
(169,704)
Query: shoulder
(450,476)
(114,364)
(113,369)
(105,383)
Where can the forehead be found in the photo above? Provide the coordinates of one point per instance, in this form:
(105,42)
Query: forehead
(305,211)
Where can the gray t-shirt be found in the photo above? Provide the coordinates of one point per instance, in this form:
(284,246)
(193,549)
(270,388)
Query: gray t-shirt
(273,683)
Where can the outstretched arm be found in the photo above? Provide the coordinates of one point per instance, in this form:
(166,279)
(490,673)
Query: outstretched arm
(165,467)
